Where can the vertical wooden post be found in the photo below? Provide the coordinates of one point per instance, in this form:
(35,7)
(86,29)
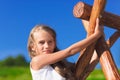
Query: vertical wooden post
(109,68)
(83,11)
(106,60)
(95,59)
(98,7)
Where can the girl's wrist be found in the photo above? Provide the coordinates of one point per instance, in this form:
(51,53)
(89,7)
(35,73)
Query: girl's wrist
(98,34)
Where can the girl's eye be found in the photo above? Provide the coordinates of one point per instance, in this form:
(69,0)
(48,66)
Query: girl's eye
(41,42)
(50,42)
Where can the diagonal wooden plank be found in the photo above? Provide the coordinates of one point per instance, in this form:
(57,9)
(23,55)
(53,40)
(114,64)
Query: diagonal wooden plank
(113,38)
(83,11)
(106,60)
(95,59)
(98,7)
(110,70)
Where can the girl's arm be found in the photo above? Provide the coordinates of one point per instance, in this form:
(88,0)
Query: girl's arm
(45,59)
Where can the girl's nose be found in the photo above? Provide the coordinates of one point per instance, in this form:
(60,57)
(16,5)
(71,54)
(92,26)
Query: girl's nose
(46,45)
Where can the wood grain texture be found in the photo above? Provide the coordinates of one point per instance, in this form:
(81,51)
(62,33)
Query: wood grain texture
(83,11)
(85,58)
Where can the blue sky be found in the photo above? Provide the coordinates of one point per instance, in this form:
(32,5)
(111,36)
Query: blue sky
(17,18)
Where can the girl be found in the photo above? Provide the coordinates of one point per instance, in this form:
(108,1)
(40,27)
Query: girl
(47,62)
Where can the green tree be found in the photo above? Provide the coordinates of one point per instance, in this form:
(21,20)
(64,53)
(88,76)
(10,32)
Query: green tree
(17,61)
(8,61)
(20,61)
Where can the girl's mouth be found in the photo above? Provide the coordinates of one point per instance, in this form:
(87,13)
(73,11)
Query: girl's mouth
(47,51)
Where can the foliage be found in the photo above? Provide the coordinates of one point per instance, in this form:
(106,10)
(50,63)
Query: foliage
(15,68)
(17,61)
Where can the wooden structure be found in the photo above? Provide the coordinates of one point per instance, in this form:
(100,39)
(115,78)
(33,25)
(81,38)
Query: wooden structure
(100,50)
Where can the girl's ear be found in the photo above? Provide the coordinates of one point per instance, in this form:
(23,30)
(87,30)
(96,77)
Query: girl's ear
(33,48)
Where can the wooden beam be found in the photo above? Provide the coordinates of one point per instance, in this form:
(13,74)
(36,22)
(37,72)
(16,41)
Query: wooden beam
(95,59)
(83,11)
(109,68)
(106,60)
(113,38)
(84,60)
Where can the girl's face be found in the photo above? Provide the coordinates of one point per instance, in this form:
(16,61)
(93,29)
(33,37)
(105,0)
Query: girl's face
(45,43)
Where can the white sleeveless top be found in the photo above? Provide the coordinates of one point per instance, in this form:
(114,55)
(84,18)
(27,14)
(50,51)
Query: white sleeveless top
(46,73)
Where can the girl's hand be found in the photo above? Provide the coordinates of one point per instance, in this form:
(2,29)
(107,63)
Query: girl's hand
(99,28)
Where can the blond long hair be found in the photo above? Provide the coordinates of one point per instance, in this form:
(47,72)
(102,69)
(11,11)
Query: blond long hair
(63,67)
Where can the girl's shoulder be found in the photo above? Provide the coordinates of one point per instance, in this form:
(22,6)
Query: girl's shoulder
(39,70)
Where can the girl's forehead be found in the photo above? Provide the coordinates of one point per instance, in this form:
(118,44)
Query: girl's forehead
(42,35)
